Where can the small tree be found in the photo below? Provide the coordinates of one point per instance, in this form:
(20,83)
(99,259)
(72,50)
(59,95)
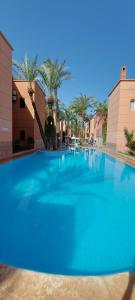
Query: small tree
(130,140)
(129,136)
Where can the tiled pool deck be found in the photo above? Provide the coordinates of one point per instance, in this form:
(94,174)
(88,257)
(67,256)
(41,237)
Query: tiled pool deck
(17,284)
(128,159)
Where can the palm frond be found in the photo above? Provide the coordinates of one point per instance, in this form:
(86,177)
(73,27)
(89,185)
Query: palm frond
(27,70)
(129,136)
(56,74)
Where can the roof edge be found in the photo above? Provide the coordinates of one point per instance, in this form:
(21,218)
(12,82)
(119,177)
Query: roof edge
(5,39)
(121,80)
(34,81)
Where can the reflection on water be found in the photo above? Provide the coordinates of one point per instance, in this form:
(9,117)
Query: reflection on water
(68,213)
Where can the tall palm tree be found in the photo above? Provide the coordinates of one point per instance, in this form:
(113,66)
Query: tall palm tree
(29,71)
(58,73)
(102,109)
(69,119)
(82,105)
(53,74)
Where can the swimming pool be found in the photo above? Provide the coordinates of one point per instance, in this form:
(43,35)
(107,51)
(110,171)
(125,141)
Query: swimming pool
(68,213)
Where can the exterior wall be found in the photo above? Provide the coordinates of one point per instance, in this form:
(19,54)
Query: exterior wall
(96,124)
(113,115)
(24,118)
(126,116)
(5,98)
(68,130)
(92,126)
(86,131)
(41,108)
(62,128)
(120,115)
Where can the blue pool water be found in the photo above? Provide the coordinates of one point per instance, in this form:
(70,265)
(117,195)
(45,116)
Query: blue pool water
(66,213)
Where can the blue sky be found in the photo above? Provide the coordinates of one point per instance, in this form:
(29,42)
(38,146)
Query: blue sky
(94,37)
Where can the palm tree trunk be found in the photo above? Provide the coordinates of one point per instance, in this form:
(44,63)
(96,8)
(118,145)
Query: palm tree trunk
(57,118)
(39,124)
(57,108)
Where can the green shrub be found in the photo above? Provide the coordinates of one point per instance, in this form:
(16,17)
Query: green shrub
(30,142)
(16,143)
(104,133)
(130,140)
(129,136)
(132,146)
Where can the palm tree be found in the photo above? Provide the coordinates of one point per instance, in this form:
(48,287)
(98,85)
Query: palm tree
(81,105)
(53,74)
(102,109)
(69,118)
(30,71)
(57,73)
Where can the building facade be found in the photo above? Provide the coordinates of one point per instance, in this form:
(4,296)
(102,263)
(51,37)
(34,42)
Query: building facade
(121,112)
(25,127)
(5,98)
(96,129)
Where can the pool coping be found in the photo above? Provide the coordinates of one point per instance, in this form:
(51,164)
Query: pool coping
(129,160)
(17,155)
(120,156)
(23,285)
(27,152)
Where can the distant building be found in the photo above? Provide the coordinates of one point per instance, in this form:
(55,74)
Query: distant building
(5,97)
(96,129)
(121,112)
(25,127)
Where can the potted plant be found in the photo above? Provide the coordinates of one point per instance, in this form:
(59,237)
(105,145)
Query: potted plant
(16,145)
(30,142)
(130,141)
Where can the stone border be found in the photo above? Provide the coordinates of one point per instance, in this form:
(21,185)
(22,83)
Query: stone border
(27,152)
(120,156)
(18,284)
(18,155)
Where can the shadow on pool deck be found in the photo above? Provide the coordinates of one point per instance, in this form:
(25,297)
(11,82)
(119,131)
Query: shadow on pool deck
(131,285)
(6,272)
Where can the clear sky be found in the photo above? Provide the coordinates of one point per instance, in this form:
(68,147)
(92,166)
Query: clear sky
(94,37)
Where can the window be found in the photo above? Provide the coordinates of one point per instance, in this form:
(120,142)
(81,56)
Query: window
(22,135)
(22,102)
(14,95)
(132,104)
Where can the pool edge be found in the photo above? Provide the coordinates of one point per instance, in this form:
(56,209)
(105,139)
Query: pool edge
(23,284)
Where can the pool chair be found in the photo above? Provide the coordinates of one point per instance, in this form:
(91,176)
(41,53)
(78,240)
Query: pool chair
(72,149)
